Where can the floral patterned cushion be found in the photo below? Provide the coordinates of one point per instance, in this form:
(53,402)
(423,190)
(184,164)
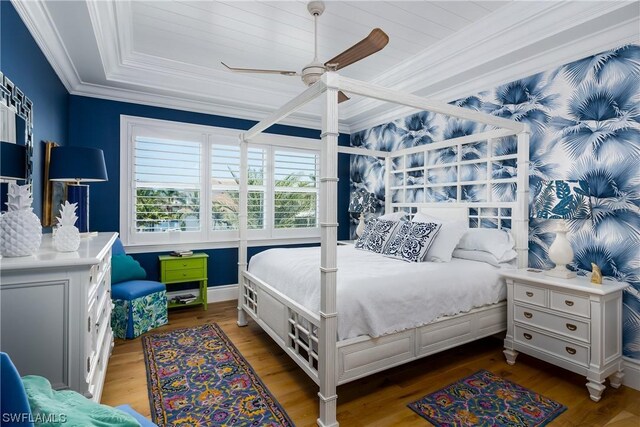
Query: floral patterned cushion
(412,240)
(376,235)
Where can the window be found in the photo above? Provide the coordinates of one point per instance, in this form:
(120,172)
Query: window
(296,189)
(225,185)
(180,183)
(167,185)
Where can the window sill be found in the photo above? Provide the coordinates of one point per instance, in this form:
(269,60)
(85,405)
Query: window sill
(226,244)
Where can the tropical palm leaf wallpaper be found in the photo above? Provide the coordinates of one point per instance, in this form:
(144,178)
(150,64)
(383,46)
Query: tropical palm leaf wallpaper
(585,121)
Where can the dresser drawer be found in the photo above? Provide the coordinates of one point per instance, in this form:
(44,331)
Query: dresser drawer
(563,349)
(184,263)
(577,330)
(568,303)
(187,274)
(530,294)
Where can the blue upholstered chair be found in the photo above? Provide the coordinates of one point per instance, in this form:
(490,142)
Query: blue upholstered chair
(139,305)
(15,410)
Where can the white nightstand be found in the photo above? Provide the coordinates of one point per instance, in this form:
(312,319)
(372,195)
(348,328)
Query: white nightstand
(571,323)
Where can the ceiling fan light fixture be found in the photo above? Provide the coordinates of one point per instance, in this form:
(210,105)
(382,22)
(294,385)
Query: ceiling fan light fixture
(312,73)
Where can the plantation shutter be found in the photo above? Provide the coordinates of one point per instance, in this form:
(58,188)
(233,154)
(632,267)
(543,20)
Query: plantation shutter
(295,189)
(167,185)
(225,187)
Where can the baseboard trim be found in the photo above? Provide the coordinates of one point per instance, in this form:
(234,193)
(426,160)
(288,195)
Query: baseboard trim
(222,293)
(631,373)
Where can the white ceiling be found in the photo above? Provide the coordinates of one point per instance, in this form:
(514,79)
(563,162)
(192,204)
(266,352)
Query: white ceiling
(168,53)
(280,34)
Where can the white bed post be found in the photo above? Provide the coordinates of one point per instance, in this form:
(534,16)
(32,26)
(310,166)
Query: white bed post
(387,184)
(328,260)
(521,216)
(242,226)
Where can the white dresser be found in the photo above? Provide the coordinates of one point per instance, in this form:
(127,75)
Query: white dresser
(571,323)
(55,314)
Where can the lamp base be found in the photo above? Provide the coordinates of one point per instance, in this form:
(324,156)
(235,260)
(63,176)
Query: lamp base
(360,228)
(79,194)
(562,272)
(561,254)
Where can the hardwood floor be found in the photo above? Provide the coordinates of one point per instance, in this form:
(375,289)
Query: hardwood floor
(381,399)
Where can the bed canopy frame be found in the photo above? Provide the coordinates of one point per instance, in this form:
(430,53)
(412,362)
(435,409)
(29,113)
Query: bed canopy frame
(311,338)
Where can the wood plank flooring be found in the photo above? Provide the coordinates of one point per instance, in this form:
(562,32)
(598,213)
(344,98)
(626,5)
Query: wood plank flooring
(381,399)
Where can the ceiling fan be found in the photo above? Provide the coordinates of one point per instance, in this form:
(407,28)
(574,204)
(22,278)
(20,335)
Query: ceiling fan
(312,72)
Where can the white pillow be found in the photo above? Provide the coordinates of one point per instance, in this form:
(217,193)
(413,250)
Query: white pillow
(499,243)
(447,239)
(394,216)
(483,256)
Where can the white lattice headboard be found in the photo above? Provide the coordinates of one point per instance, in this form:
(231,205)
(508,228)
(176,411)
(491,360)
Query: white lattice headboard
(484,182)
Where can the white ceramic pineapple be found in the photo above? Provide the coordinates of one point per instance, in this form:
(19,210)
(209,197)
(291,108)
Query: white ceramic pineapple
(67,236)
(20,230)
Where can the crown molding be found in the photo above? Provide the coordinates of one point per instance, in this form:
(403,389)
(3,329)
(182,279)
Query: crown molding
(38,21)
(309,121)
(619,26)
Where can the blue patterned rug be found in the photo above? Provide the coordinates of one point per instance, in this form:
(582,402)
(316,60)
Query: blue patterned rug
(485,399)
(196,377)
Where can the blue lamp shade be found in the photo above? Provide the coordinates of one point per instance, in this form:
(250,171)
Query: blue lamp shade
(77,164)
(562,200)
(362,201)
(13,160)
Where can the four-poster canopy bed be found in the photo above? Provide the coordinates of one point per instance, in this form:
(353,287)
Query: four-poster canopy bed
(311,338)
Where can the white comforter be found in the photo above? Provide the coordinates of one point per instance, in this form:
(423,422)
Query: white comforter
(378,295)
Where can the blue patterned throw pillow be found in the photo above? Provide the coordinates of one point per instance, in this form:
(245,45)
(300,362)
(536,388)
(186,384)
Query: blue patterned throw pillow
(376,234)
(412,240)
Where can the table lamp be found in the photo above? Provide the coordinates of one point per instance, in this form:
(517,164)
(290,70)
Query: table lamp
(560,201)
(361,201)
(76,165)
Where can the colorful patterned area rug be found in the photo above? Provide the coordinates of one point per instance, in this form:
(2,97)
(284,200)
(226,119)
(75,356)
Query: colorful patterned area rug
(196,377)
(485,399)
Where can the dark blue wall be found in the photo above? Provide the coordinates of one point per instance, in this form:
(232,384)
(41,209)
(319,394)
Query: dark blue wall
(96,123)
(22,61)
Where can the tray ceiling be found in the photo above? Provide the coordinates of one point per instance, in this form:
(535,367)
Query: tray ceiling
(168,53)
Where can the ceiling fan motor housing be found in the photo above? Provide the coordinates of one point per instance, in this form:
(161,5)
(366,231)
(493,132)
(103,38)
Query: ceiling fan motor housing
(312,73)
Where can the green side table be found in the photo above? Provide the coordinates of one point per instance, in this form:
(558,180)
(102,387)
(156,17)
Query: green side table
(185,269)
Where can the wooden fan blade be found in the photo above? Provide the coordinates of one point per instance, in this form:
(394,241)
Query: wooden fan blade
(342,97)
(259,71)
(371,44)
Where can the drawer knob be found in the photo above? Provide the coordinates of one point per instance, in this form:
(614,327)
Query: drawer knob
(527,336)
(529,294)
(570,350)
(568,302)
(184,274)
(184,265)
(571,327)
(528,315)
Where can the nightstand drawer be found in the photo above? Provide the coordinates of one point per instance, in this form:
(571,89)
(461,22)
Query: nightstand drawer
(568,327)
(568,303)
(530,294)
(184,263)
(184,274)
(563,349)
